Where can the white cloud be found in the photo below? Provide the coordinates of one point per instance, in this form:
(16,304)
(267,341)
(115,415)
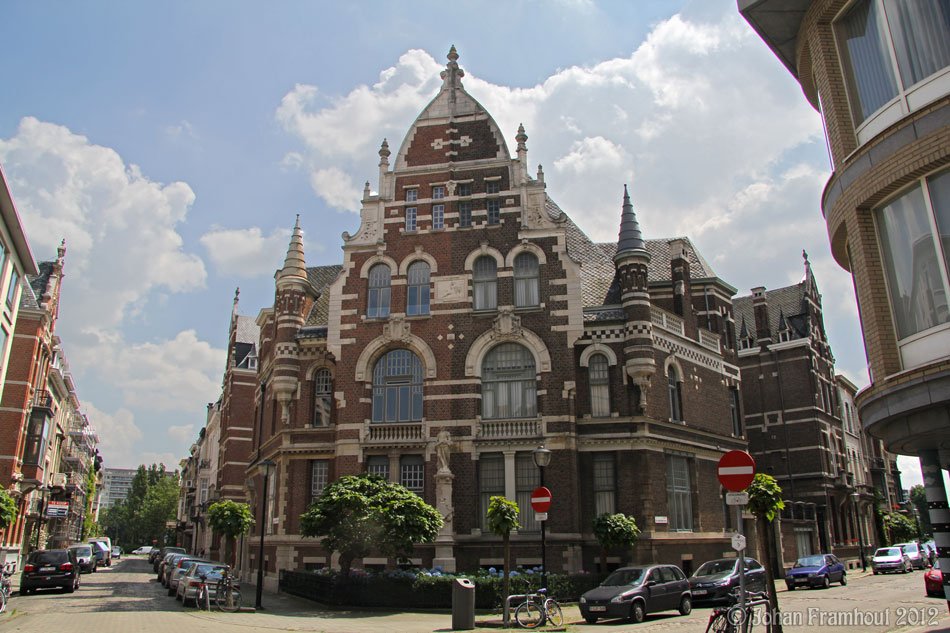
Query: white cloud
(181,374)
(183,434)
(247,252)
(120,227)
(337,188)
(117,434)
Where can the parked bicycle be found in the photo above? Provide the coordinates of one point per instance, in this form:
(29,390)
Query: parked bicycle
(227,593)
(729,618)
(538,609)
(6,586)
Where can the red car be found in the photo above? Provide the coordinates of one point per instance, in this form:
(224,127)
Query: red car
(933,581)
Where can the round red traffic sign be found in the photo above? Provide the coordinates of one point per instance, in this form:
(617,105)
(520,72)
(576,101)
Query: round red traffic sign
(541,499)
(736,470)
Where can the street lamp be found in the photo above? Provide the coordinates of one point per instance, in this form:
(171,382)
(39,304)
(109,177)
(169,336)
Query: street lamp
(855,497)
(263,469)
(542,457)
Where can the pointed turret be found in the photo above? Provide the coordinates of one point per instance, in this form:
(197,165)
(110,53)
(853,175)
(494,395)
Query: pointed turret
(631,240)
(294,266)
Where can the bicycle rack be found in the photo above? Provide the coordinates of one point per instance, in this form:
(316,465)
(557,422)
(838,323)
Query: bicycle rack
(522,596)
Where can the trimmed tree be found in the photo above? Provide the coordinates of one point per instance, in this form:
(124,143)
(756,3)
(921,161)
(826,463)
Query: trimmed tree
(230,519)
(614,531)
(8,509)
(359,514)
(765,502)
(502,519)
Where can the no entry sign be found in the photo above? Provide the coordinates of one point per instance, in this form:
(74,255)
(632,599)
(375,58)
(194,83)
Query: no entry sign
(541,499)
(736,470)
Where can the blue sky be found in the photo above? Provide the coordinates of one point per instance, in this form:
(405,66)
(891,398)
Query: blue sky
(172,145)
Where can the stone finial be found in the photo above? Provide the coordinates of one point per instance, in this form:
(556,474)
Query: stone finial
(366,190)
(453,55)
(452,73)
(384,152)
(540,174)
(61,251)
(294,265)
(522,138)
(631,240)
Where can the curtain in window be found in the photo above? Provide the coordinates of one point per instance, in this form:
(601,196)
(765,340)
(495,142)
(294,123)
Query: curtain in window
(599,386)
(679,494)
(397,387)
(319,477)
(526,280)
(864,46)
(920,30)
(417,301)
(378,304)
(527,478)
(509,383)
(914,279)
(322,398)
(485,283)
(491,482)
(605,486)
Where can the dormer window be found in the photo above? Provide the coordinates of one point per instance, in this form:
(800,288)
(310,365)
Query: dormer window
(784,336)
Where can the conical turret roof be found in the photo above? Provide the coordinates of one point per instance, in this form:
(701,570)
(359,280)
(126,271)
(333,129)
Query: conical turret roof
(631,240)
(294,266)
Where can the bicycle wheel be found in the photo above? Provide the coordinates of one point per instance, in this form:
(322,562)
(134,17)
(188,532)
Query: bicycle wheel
(718,624)
(528,615)
(3,601)
(228,598)
(553,611)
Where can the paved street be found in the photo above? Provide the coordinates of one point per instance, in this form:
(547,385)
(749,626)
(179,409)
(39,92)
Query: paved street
(126,599)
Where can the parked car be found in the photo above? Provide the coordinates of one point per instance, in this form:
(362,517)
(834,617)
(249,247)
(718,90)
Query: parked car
(46,568)
(632,592)
(933,581)
(178,570)
(85,557)
(145,549)
(159,555)
(915,553)
(818,570)
(891,559)
(171,563)
(716,579)
(103,553)
(188,583)
(116,553)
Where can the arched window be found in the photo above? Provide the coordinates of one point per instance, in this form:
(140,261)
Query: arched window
(417,299)
(509,383)
(676,395)
(526,281)
(485,283)
(599,386)
(397,387)
(378,304)
(322,397)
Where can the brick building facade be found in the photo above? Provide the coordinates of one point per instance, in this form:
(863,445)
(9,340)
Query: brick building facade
(470,322)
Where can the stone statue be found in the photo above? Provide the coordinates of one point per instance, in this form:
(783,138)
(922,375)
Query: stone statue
(443,447)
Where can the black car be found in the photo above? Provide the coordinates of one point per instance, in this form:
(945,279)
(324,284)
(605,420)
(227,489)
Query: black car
(632,592)
(716,579)
(85,557)
(50,568)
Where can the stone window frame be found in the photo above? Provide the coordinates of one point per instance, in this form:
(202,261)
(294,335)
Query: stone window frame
(675,399)
(420,304)
(382,387)
(319,477)
(370,265)
(317,375)
(527,387)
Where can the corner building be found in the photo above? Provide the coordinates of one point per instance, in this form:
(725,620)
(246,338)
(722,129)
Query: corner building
(472,321)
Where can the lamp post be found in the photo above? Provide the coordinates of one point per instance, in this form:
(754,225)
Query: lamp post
(264,467)
(855,497)
(542,457)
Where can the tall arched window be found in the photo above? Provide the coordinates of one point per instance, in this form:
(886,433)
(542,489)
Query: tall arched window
(485,283)
(417,299)
(676,395)
(509,383)
(322,397)
(378,304)
(526,281)
(397,387)
(599,378)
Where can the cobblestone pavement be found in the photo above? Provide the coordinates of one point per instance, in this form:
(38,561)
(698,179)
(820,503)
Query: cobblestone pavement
(127,599)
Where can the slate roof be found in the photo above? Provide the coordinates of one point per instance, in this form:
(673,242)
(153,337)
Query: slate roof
(247,330)
(788,301)
(34,286)
(320,278)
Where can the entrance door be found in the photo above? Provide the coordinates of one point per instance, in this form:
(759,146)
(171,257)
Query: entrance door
(803,541)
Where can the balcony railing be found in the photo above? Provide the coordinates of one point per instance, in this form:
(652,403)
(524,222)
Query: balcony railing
(709,340)
(509,428)
(409,432)
(43,400)
(667,321)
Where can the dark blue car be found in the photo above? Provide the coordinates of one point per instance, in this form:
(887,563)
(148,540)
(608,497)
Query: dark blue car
(819,570)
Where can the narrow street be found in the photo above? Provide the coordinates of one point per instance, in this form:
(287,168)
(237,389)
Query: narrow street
(127,599)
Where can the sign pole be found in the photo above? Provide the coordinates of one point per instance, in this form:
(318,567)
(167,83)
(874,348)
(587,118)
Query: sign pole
(741,570)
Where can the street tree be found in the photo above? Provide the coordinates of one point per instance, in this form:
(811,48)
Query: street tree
(359,514)
(899,528)
(8,509)
(765,502)
(614,531)
(230,519)
(502,519)
(919,498)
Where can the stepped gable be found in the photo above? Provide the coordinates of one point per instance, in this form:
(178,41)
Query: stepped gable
(320,278)
(788,301)
(453,127)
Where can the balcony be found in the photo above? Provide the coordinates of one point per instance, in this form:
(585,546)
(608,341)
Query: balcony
(75,481)
(672,323)
(393,433)
(43,401)
(497,429)
(876,463)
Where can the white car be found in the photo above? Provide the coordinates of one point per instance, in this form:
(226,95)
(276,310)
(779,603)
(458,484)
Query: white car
(890,559)
(146,549)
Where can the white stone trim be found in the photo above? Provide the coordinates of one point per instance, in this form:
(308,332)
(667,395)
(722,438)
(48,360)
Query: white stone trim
(598,348)
(484,249)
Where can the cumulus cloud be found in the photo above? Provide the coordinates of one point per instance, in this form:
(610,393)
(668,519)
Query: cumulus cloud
(182,434)
(248,252)
(337,188)
(117,434)
(120,227)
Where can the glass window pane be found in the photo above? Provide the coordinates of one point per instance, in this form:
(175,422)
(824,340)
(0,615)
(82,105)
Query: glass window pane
(914,276)
(863,44)
(920,30)
(465,213)
(527,478)
(491,481)
(599,386)
(940,199)
(526,280)
(320,474)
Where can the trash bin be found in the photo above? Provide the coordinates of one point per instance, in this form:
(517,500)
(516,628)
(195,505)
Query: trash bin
(463,604)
